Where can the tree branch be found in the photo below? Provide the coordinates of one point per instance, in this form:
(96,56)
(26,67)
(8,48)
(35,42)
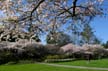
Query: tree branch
(37,6)
(74,6)
(33,12)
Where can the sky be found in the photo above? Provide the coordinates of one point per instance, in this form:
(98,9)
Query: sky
(100,24)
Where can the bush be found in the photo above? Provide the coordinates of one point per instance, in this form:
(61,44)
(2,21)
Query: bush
(53,57)
(34,51)
(28,51)
(7,55)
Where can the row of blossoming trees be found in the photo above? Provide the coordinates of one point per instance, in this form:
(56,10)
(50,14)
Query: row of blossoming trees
(63,21)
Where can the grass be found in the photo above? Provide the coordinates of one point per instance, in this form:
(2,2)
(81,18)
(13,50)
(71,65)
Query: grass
(37,67)
(93,63)
(41,67)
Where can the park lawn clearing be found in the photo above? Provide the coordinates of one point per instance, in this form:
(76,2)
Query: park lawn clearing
(39,67)
(103,63)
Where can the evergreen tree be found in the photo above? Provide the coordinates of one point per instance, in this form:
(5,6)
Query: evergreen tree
(105,45)
(58,38)
(88,35)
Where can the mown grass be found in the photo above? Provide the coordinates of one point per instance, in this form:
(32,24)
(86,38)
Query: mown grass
(93,63)
(37,67)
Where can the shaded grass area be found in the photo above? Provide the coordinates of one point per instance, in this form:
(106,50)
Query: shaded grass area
(37,67)
(92,63)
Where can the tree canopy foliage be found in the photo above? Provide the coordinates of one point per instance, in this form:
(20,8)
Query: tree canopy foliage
(36,17)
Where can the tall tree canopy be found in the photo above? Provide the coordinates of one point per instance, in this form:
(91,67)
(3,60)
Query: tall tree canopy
(35,17)
(88,35)
(58,38)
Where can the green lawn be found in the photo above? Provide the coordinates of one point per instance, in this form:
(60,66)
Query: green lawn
(42,67)
(37,67)
(92,63)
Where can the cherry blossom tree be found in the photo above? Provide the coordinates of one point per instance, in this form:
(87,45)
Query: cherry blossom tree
(35,17)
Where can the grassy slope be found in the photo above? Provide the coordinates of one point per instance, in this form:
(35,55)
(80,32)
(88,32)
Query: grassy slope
(37,67)
(92,63)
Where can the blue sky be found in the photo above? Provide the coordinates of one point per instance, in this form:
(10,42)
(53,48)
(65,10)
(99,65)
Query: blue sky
(100,26)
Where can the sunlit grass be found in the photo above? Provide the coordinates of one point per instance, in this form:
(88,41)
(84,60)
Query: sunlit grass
(92,63)
(37,67)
